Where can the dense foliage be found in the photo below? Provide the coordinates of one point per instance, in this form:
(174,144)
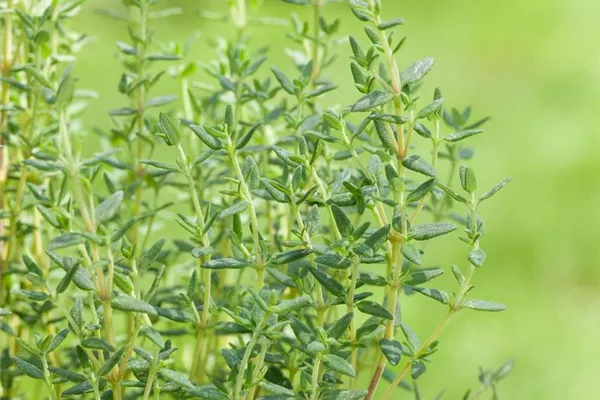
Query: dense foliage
(303,225)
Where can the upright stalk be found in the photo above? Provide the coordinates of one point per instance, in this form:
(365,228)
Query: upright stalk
(239,381)
(318,4)
(206,272)
(401,152)
(141,98)
(349,309)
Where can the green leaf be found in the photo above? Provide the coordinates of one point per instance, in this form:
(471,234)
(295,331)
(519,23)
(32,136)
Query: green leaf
(28,369)
(285,306)
(436,294)
(250,173)
(31,294)
(160,100)
(392,349)
(290,256)
(374,99)
(430,230)
(339,394)
(420,276)
(494,190)
(210,141)
(284,81)
(342,221)
(230,328)
(302,332)
(82,277)
(57,340)
(245,138)
(418,164)
(226,263)
(421,191)
(67,374)
(67,279)
(64,94)
(65,240)
(276,389)
(340,326)
(483,305)
(458,275)
(199,252)
(31,265)
(150,255)
(84,387)
(333,260)
(163,57)
(467,179)
(338,364)
(127,303)
(411,253)
(122,111)
(206,393)
(276,194)
(371,278)
(236,208)
(384,135)
(504,370)
(43,165)
(390,24)
(4,312)
(417,369)
(174,314)
(378,238)
(375,309)
(109,207)
(50,217)
(97,344)
(176,377)
(416,71)
(168,129)
(159,165)
(328,282)
(477,257)
(430,108)
(456,136)
(114,359)
(452,193)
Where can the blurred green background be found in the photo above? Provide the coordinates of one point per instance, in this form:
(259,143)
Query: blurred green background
(535,67)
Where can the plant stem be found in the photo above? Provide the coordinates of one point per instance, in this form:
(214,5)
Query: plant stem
(349,309)
(434,157)
(206,272)
(454,308)
(139,172)
(401,152)
(151,375)
(239,381)
(253,218)
(315,377)
(318,4)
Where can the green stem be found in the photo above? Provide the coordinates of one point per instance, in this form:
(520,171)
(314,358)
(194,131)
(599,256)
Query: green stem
(401,152)
(206,272)
(253,218)
(316,26)
(151,376)
(434,158)
(239,381)
(315,378)
(141,99)
(349,309)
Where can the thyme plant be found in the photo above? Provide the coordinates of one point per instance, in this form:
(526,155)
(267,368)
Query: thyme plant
(303,224)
